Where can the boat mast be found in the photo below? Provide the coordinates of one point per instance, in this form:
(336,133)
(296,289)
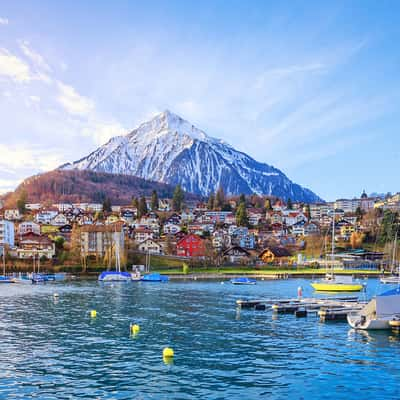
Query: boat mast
(4,260)
(117,255)
(333,237)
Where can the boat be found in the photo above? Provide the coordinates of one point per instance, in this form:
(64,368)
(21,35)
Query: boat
(154,277)
(379,313)
(337,283)
(23,279)
(117,275)
(393,278)
(332,283)
(243,281)
(4,278)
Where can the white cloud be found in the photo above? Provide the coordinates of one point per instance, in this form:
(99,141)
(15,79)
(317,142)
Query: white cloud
(35,99)
(14,68)
(3,21)
(72,101)
(37,59)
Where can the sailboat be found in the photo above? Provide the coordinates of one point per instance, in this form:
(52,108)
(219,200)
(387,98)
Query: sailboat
(117,275)
(4,278)
(393,279)
(382,312)
(336,283)
(155,276)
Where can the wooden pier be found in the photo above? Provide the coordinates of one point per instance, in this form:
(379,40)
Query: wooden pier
(327,309)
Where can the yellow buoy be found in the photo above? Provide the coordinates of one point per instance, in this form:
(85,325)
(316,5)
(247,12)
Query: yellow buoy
(135,329)
(168,353)
(93,313)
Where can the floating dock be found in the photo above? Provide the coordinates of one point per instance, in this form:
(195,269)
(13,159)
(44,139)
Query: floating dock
(327,309)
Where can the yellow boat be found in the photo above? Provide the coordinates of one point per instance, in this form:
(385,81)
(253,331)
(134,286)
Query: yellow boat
(337,287)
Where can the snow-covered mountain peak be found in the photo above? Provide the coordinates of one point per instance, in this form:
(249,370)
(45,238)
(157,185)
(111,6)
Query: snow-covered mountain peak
(168,123)
(169,149)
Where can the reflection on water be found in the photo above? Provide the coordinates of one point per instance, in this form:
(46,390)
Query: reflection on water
(52,348)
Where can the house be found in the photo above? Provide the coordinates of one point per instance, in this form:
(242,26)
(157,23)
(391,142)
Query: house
(346,230)
(191,246)
(174,219)
(171,229)
(97,239)
(128,215)
(164,205)
(112,219)
(59,220)
(6,233)
(255,215)
(62,207)
(12,214)
(275,254)
(311,228)
(151,246)
(243,238)
(293,217)
(28,227)
(45,216)
(36,246)
(237,255)
(142,234)
(33,206)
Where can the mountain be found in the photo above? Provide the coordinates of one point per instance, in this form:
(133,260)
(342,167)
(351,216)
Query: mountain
(171,150)
(87,186)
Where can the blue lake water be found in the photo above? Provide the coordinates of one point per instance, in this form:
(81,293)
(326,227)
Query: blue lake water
(52,349)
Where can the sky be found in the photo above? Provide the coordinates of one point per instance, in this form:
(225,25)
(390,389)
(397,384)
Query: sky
(310,87)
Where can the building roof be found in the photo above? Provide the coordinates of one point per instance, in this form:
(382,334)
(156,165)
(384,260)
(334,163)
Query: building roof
(277,251)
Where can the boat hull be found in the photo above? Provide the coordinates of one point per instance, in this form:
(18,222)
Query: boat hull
(337,287)
(368,324)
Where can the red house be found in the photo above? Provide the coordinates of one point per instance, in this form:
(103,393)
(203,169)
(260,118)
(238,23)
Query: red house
(191,246)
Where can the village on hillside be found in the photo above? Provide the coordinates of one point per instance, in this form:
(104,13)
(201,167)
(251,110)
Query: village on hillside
(252,231)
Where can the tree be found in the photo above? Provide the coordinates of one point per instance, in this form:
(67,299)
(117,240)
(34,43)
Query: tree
(219,198)
(59,242)
(135,202)
(359,214)
(308,211)
(142,210)
(211,201)
(267,205)
(242,198)
(106,205)
(21,202)
(356,239)
(154,200)
(177,199)
(241,215)
(289,204)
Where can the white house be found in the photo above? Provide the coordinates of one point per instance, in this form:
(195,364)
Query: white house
(12,214)
(28,227)
(33,206)
(171,229)
(45,216)
(151,246)
(59,220)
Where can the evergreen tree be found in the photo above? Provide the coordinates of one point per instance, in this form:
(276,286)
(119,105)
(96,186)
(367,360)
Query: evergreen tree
(220,198)
(211,201)
(21,202)
(308,211)
(106,205)
(177,199)
(142,210)
(241,215)
(289,204)
(154,200)
(242,199)
(135,202)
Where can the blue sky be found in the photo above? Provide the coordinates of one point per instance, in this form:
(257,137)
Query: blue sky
(312,88)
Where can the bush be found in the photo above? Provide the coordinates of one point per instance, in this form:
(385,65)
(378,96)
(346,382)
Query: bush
(185,268)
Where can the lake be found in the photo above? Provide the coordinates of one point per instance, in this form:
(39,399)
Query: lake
(52,349)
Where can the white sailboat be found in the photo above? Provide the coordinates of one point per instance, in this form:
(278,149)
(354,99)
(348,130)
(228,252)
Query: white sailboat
(117,275)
